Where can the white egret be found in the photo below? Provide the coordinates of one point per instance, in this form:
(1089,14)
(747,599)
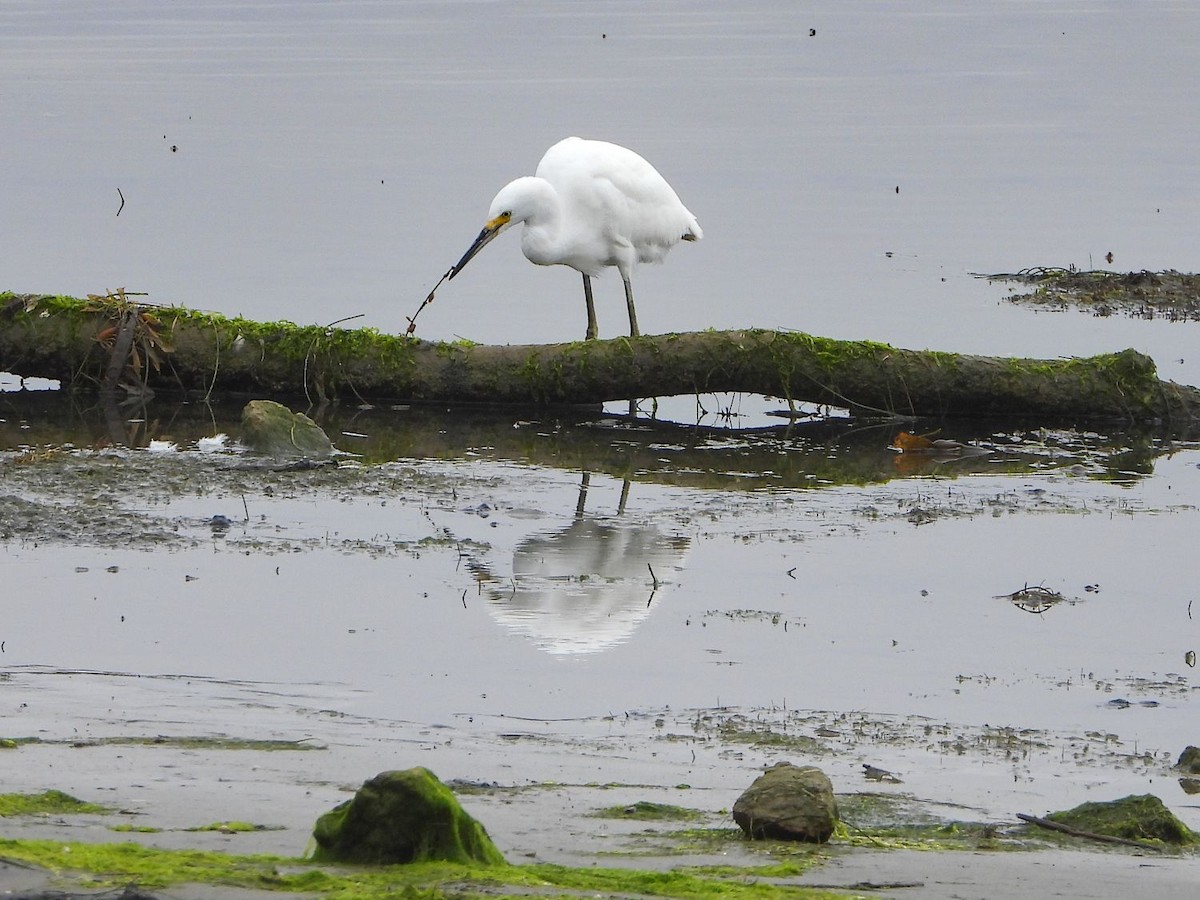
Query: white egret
(591,204)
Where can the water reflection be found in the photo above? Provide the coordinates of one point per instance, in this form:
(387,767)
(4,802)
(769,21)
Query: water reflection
(585,587)
(810,455)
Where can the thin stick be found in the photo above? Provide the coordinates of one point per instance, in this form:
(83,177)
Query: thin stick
(412,320)
(1090,835)
(122,206)
(216,366)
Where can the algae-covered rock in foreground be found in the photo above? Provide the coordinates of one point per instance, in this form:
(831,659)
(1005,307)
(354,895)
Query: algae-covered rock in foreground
(1136,818)
(271,428)
(403,817)
(790,803)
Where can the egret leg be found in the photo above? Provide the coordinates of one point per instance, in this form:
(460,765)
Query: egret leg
(633,329)
(581,503)
(592,329)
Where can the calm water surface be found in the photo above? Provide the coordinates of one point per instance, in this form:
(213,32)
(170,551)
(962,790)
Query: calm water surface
(312,161)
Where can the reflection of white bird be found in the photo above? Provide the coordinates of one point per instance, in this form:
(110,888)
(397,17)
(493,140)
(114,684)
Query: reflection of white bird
(586,587)
(591,204)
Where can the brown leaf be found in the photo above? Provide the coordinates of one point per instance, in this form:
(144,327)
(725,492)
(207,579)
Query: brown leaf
(912,443)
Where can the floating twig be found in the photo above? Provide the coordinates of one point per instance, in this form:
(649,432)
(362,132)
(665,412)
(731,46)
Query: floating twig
(122,206)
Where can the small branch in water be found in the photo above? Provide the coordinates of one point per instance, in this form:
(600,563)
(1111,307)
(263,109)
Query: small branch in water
(122,206)
(654,588)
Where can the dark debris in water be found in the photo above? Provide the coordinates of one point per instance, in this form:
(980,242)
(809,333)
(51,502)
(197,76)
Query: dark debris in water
(1170,295)
(1035,598)
(103,523)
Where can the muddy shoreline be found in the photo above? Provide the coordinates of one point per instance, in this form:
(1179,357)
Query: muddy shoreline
(164,791)
(199,638)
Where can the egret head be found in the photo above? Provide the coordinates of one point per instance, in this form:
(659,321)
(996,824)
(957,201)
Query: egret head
(517,201)
(493,227)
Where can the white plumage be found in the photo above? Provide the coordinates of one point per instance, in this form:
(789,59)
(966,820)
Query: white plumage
(590,205)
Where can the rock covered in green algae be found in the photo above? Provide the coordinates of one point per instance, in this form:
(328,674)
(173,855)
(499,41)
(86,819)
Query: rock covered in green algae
(1189,761)
(790,803)
(1138,817)
(273,429)
(403,817)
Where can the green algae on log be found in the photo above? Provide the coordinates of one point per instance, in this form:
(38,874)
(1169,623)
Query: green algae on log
(200,354)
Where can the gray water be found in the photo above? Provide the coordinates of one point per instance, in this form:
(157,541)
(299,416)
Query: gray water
(312,161)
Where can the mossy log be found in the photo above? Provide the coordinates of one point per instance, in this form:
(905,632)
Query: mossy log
(180,350)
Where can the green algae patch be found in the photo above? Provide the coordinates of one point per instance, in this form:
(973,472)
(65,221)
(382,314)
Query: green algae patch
(676,883)
(150,867)
(900,822)
(121,864)
(1140,817)
(790,868)
(18,742)
(403,817)
(235,827)
(47,803)
(644,810)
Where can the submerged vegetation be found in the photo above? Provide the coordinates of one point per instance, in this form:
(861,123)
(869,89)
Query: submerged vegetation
(646,810)
(1170,295)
